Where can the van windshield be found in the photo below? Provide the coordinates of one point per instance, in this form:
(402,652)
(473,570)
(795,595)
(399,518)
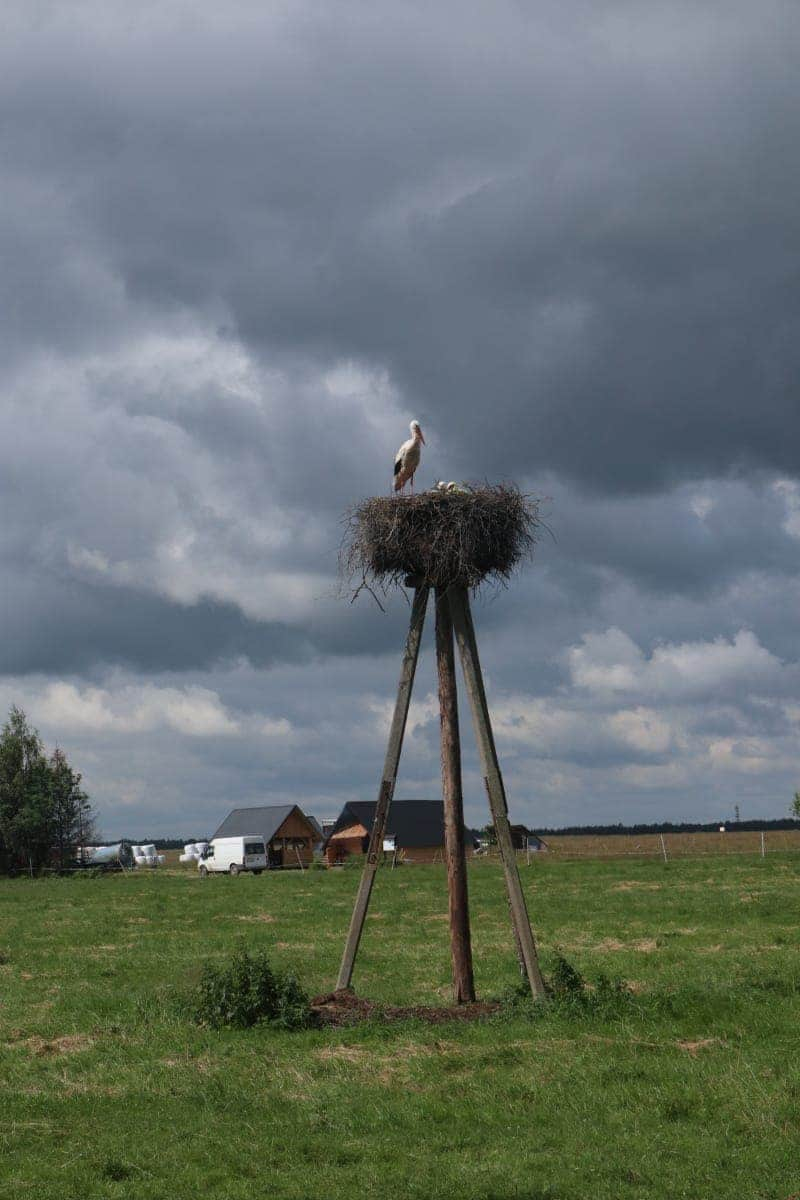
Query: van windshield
(254,847)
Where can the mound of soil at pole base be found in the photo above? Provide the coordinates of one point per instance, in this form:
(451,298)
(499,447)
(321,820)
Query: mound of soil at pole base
(345,1008)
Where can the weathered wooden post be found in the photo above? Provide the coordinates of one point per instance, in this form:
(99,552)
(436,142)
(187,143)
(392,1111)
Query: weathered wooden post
(455,851)
(493,781)
(388,780)
(448,541)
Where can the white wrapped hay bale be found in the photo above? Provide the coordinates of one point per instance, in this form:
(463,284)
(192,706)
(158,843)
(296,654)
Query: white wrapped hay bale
(103,856)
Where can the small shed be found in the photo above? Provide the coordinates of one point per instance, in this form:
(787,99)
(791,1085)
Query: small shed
(288,833)
(523,838)
(415,831)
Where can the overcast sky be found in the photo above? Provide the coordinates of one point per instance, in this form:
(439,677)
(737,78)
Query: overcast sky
(243,244)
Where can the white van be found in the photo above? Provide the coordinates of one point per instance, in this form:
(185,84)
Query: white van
(234,854)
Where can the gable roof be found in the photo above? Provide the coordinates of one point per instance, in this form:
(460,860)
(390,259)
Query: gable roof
(413,822)
(264,821)
(315,825)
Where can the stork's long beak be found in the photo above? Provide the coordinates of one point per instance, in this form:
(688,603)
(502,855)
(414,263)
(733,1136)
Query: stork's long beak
(421,438)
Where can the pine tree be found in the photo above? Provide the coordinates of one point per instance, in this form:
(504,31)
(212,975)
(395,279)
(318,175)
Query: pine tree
(70,811)
(44,812)
(24,791)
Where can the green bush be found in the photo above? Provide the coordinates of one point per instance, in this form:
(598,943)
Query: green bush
(570,995)
(247,991)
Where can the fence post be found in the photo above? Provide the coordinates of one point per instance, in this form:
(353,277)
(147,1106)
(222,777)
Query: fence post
(763,846)
(663,847)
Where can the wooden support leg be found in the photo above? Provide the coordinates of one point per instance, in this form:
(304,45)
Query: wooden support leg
(388,780)
(460,948)
(490,765)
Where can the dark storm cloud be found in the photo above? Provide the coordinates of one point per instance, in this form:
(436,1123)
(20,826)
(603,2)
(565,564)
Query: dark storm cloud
(244,244)
(64,626)
(573,237)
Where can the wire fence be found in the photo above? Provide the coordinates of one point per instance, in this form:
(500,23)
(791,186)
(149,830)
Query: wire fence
(665,846)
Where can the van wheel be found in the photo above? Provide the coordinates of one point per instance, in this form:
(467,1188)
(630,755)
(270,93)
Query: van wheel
(234,869)
(203,871)
(257,871)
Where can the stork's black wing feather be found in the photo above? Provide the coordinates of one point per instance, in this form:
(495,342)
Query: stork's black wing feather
(398,462)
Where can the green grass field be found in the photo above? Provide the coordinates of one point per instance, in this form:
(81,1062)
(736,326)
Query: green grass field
(691,1089)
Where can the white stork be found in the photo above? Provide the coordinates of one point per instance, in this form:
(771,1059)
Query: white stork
(407,458)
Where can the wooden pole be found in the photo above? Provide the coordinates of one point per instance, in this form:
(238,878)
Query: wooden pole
(490,765)
(388,781)
(455,853)
(663,846)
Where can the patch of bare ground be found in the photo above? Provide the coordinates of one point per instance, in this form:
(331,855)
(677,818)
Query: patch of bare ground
(694,1047)
(345,1008)
(393,1068)
(643,945)
(266,917)
(351,1054)
(203,1065)
(636,986)
(629,885)
(71,1043)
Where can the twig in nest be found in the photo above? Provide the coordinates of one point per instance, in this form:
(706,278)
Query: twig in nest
(462,538)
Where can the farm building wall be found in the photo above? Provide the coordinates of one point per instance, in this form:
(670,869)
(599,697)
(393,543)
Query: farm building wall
(296,826)
(420,854)
(293,842)
(340,849)
(346,843)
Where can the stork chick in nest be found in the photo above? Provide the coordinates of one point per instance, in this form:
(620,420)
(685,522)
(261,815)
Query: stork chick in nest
(407,459)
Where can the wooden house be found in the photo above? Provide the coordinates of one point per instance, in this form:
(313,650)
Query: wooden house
(288,833)
(415,831)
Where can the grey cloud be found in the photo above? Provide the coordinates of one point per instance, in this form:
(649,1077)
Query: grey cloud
(572,243)
(565,238)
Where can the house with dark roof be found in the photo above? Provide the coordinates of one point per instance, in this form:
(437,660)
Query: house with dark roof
(289,835)
(415,831)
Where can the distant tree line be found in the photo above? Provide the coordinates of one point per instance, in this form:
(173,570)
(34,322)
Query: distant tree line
(45,814)
(169,843)
(672,827)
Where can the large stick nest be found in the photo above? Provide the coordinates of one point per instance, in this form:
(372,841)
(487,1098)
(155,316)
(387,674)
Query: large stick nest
(439,538)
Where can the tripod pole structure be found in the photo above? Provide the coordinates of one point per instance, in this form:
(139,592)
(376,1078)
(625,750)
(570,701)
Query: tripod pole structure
(490,766)
(388,781)
(455,852)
